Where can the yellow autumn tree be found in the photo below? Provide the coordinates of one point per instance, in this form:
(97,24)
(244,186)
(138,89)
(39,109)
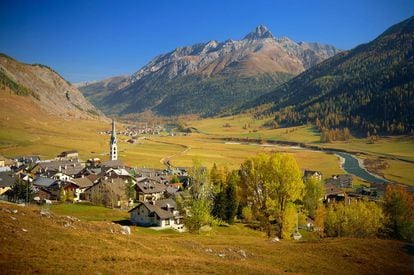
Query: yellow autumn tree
(268,183)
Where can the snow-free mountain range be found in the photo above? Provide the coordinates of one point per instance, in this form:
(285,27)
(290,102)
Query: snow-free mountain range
(208,78)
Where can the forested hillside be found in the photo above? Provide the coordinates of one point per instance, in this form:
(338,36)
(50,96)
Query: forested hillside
(369,88)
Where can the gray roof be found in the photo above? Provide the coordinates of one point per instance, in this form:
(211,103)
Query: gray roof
(44,182)
(333,190)
(112,163)
(150,187)
(82,182)
(6,179)
(66,167)
(159,208)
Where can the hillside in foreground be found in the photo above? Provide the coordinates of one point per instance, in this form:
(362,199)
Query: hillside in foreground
(49,243)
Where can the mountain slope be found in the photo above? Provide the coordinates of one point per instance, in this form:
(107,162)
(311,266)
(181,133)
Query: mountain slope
(45,88)
(209,78)
(370,88)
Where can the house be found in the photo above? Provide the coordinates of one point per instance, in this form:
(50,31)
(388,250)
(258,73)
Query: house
(73,154)
(81,184)
(6,182)
(333,193)
(108,192)
(341,181)
(44,182)
(312,174)
(160,213)
(42,194)
(149,190)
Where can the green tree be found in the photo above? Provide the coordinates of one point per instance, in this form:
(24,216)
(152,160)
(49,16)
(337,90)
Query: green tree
(200,185)
(268,184)
(69,195)
(130,189)
(175,179)
(399,210)
(22,191)
(62,194)
(216,179)
(247,214)
(197,205)
(312,199)
(198,216)
(232,200)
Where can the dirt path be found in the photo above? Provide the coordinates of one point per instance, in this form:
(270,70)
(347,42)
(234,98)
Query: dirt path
(166,160)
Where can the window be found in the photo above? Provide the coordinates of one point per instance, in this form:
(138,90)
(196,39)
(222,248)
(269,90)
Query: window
(167,222)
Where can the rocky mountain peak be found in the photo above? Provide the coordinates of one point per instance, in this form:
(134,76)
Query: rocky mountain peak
(260,32)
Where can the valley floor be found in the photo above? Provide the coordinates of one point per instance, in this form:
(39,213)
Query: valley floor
(49,243)
(31,131)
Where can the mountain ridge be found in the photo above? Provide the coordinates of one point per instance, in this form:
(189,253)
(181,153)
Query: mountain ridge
(209,69)
(47,89)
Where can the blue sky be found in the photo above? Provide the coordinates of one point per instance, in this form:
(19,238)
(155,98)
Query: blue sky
(91,39)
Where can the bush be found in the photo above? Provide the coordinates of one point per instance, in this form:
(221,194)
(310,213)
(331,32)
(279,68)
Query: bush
(357,219)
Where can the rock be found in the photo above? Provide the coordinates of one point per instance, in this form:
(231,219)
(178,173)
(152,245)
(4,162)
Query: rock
(13,218)
(44,212)
(222,255)
(275,239)
(243,253)
(209,250)
(126,230)
(24,230)
(14,211)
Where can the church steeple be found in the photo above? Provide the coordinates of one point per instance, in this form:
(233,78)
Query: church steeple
(113,153)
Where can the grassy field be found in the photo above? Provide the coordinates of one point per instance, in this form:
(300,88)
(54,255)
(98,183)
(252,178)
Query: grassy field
(398,152)
(89,212)
(57,244)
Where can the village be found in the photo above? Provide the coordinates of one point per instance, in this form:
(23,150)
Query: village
(148,194)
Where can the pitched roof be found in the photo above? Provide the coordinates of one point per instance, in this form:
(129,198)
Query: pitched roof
(332,190)
(6,179)
(93,177)
(150,186)
(159,208)
(42,181)
(112,163)
(82,182)
(67,167)
(308,173)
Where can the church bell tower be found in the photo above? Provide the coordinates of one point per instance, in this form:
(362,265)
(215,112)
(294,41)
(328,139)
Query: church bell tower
(113,153)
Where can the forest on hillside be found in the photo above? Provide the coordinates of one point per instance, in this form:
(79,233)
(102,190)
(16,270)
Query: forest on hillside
(369,88)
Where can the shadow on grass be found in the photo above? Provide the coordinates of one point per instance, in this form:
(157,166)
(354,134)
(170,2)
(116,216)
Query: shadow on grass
(123,222)
(409,248)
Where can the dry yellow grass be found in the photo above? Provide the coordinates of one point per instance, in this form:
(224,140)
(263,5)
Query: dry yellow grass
(89,247)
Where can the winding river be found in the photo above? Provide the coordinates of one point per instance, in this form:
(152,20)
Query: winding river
(353,166)
(350,163)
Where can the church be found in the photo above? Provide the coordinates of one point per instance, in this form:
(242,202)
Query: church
(113,149)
